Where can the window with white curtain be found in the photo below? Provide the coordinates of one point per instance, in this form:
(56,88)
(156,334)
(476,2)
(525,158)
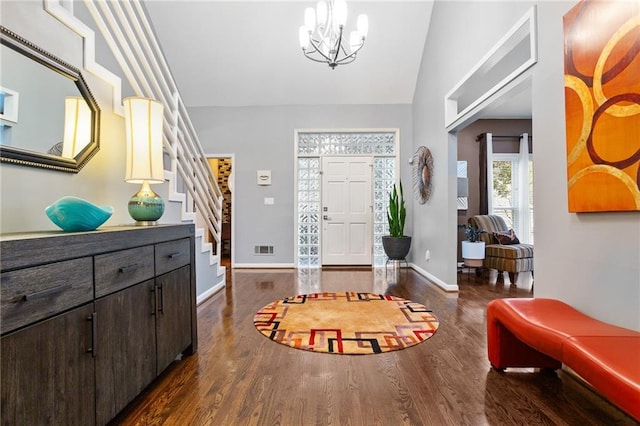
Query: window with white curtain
(512,192)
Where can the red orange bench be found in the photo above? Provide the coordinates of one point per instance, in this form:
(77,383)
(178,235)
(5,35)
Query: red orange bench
(546,333)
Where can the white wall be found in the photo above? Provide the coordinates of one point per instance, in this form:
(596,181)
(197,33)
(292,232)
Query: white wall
(263,139)
(591,261)
(26,191)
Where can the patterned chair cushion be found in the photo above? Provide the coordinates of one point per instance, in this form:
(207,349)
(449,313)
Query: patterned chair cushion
(509,265)
(513,251)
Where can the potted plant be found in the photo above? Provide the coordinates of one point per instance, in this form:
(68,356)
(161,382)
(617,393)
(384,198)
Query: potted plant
(472,249)
(396,244)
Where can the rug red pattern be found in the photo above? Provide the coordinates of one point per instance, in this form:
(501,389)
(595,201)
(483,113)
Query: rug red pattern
(346,322)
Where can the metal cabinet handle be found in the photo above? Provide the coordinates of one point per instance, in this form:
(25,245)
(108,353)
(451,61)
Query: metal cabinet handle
(175,255)
(40,294)
(161,304)
(127,269)
(325,217)
(155,300)
(94,333)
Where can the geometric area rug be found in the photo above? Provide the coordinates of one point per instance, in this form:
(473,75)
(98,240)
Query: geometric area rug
(346,323)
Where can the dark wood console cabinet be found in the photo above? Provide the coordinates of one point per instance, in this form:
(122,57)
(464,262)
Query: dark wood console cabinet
(90,319)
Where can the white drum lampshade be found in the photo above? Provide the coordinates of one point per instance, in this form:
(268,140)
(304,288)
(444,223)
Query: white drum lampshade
(77,126)
(143,127)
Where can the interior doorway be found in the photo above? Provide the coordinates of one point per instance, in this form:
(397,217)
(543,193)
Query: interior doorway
(222,169)
(507,95)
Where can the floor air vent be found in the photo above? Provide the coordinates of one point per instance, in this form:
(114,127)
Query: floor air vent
(263,250)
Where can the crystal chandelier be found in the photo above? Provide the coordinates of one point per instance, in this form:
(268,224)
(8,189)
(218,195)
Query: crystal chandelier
(321,36)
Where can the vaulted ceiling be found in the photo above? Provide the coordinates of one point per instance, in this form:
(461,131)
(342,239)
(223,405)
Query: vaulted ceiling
(239,53)
(246,53)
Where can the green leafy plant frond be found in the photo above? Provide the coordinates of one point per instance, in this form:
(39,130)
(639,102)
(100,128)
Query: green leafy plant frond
(472,233)
(397,213)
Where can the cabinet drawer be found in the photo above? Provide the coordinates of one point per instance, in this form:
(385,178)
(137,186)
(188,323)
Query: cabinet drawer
(31,294)
(172,255)
(121,269)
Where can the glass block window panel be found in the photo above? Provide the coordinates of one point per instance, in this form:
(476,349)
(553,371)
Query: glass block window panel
(311,146)
(346,143)
(308,281)
(308,212)
(384,178)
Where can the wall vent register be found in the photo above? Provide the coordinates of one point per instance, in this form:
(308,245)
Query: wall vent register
(263,250)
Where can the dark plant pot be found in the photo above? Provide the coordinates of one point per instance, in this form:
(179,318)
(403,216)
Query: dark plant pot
(396,248)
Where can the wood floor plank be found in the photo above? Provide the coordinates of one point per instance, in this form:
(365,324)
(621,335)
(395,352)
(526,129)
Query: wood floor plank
(239,377)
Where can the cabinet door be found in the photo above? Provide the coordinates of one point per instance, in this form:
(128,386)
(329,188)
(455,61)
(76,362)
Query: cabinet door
(48,372)
(125,352)
(173,320)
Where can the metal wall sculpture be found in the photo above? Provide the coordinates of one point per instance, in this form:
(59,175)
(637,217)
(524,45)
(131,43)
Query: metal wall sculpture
(422,174)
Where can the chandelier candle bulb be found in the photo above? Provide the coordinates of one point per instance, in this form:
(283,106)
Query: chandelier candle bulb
(309,19)
(340,8)
(323,13)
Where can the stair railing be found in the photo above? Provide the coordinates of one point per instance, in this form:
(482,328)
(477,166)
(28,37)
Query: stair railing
(131,38)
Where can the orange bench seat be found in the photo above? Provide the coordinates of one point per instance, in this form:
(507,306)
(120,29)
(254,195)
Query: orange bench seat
(546,333)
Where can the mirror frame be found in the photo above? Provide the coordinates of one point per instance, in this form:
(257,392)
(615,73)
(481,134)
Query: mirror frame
(25,157)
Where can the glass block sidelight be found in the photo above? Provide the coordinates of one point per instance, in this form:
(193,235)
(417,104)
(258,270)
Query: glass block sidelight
(313,145)
(308,212)
(384,178)
(308,281)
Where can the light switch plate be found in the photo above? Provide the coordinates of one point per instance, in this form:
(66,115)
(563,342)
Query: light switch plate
(264,177)
(269,201)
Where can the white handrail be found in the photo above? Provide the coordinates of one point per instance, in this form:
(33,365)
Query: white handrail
(130,36)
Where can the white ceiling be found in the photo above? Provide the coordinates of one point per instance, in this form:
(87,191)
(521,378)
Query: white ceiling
(246,53)
(239,53)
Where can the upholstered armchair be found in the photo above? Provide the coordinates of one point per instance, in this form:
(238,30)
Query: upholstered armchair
(503,251)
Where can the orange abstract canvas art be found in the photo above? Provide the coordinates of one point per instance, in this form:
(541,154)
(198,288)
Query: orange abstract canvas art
(602,105)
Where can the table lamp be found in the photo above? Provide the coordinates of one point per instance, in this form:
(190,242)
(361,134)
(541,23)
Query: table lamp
(77,126)
(143,127)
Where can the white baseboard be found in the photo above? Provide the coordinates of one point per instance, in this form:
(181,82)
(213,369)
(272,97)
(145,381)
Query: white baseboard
(443,285)
(437,281)
(265,265)
(207,294)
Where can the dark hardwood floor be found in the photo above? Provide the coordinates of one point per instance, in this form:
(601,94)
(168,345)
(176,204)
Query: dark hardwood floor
(239,377)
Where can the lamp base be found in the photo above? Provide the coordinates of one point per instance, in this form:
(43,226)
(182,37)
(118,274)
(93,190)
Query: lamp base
(146,207)
(146,223)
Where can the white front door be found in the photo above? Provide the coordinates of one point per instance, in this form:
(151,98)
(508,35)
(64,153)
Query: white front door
(346,211)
